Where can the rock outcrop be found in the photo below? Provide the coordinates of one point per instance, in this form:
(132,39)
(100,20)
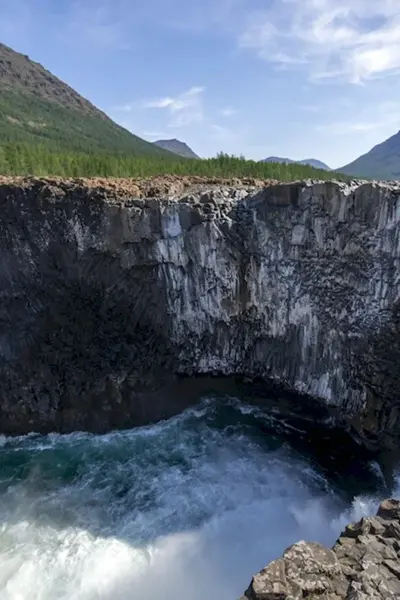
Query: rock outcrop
(364,564)
(109,293)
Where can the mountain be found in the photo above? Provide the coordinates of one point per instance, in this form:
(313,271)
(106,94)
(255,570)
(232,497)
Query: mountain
(37,107)
(176,147)
(312,162)
(382,162)
(317,164)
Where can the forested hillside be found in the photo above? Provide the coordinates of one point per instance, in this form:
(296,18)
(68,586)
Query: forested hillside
(37,108)
(26,159)
(47,128)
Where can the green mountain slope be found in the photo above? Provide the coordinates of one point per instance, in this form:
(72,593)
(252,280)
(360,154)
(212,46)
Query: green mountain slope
(382,162)
(46,128)
(176,147)
(36,107)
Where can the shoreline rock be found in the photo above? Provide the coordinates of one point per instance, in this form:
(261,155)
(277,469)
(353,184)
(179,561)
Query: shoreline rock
(364,564)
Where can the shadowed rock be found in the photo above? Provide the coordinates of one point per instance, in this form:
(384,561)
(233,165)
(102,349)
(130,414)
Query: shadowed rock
(108,294)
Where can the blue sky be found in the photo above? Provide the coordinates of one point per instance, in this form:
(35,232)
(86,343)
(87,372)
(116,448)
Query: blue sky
(294,78)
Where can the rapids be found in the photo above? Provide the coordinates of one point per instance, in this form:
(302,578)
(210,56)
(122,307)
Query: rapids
(188,508)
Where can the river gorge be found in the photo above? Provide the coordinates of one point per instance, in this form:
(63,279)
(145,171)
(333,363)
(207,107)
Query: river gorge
(193,378)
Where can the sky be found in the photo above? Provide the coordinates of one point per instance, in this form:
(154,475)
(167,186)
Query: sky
(291,78)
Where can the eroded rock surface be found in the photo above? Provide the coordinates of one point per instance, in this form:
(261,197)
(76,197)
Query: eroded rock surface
(107,293)
(364,564)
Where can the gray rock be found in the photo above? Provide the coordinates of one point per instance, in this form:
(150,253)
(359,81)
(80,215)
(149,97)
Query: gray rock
(101,291)
(390,509)
(309,570)
(272,583)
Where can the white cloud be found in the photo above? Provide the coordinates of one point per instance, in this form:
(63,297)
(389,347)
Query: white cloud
(184,109)
(166,102)
(124,108)
(227,112)
(353,40)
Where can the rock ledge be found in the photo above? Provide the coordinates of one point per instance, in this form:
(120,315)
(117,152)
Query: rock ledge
(364,564)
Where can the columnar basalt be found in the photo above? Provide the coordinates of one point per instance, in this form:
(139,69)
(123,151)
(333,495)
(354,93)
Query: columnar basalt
(108,293)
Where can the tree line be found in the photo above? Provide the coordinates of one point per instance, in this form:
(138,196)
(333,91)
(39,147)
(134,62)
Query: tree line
(40,160)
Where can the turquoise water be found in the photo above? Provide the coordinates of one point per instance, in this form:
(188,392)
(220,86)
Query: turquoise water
(188,508)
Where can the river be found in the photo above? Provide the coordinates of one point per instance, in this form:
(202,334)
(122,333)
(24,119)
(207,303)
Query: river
(188,508)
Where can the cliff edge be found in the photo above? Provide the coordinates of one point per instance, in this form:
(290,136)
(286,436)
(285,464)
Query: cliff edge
(364,564)
(112,290)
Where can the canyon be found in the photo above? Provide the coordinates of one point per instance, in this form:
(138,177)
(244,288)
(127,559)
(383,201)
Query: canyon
(123,300)
(114,291)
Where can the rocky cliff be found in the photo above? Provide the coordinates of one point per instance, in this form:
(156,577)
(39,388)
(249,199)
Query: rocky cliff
(110,290)
(364,564)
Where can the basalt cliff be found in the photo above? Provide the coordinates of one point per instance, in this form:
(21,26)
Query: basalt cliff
(364,564)
(112,291)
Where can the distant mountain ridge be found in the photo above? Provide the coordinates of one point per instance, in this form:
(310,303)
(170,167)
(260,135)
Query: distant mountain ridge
(381,162)
(177,147)
(312,162)
(38,108)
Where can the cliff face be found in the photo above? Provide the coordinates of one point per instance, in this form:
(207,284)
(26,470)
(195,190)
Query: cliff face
(105,296)
(364,564)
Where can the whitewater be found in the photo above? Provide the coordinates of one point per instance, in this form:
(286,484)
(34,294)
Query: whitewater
(187,508)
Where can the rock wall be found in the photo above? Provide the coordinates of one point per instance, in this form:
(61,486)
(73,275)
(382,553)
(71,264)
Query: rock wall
(364,564)
(106,296)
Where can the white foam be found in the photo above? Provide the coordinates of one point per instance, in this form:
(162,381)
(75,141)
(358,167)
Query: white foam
(175,510)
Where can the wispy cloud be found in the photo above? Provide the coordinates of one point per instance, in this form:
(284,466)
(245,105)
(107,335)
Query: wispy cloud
(348,127)
(184,109)
(384,115)
(227,112)
(125,107)
(181,102)
(110,22)
(351,40)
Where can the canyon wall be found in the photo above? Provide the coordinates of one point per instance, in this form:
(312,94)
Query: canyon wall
(107,296)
